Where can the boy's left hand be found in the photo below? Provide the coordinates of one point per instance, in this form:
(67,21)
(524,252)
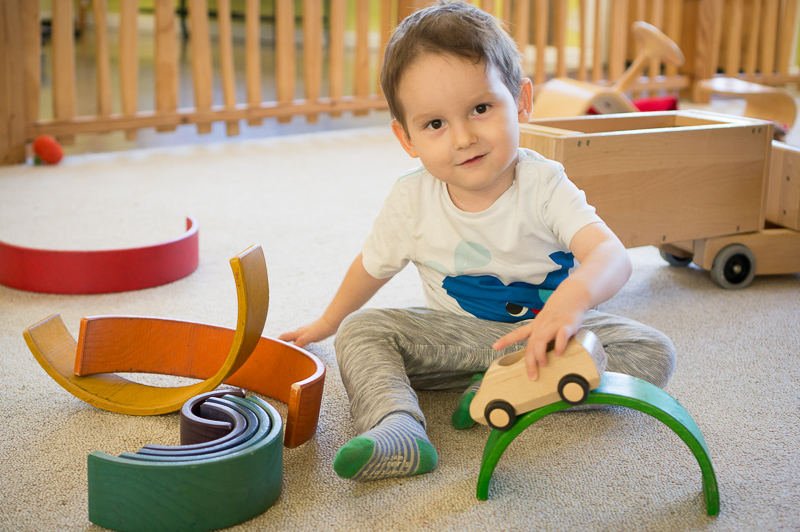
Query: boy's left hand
(559,320)
(604,268)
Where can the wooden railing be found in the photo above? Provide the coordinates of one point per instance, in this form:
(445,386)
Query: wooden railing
(340,47)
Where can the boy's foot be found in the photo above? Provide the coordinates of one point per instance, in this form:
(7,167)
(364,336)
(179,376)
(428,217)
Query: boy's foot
(396,447)
(461,418)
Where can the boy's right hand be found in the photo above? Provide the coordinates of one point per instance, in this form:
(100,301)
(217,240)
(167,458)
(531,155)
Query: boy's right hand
(313,332)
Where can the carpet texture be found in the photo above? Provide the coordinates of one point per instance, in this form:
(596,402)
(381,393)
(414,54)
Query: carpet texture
(309,201)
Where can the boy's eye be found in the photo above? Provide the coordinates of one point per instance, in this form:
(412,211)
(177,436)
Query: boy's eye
(480,109)
(435,124)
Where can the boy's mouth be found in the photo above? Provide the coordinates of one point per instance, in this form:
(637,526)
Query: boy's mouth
(474,160)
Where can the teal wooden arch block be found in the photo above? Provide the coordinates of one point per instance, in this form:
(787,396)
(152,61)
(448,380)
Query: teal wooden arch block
(198,493)
(621,390)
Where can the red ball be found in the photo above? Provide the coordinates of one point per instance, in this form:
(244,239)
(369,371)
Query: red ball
(48,149)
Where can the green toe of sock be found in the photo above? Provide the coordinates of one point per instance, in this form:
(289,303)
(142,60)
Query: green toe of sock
(352,456)
(461,418)
(428,458)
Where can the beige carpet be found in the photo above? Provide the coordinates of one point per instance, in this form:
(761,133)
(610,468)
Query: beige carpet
(309,201)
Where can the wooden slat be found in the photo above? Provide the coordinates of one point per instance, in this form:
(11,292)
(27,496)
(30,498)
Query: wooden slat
(768,37)
(789,21)
(733,48)
(12,60)
(226,62)
(253,55)
(709,22)
(147,119)
(312,51)
(63,36)
(362,51)
(597,59)
(751,55)
(560,37)
(521,27)
(336,50)
(507,10)
(540,22)
(582,30)
(32,40)
(201,59)
(166,59)
(673,25)
(388,21)
(129,59)
(285,53)
(103,61)
(656,18)
(618,38)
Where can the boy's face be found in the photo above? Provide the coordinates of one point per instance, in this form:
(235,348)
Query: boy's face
(463,124)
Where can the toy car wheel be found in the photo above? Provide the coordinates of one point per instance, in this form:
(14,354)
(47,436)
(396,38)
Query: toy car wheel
(500,415)
(734,267)
(573,389)
(674,260)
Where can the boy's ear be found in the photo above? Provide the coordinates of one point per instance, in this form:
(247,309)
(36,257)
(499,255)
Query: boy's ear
(525,102)
(405,142)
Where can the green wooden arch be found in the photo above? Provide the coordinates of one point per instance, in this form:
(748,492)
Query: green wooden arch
(621,390)
(196,493)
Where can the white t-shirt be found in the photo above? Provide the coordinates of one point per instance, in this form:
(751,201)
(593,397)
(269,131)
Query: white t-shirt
(499,264)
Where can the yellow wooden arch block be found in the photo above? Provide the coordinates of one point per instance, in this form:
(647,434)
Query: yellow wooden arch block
(55,349)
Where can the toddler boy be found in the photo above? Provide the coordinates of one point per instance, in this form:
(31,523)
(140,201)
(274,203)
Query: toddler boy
(510,254)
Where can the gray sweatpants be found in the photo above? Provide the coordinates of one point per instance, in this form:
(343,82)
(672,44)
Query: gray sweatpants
(384,354)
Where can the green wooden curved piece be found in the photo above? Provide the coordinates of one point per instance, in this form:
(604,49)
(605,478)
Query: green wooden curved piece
(193,494)
(621,390)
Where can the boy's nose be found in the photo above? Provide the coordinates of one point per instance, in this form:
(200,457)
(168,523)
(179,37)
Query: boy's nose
(463,137)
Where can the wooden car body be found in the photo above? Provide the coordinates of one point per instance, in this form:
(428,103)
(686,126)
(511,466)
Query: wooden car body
(506,380)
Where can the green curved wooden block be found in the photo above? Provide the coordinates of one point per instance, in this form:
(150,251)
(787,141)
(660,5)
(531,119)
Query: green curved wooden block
(192,494)
(621,390)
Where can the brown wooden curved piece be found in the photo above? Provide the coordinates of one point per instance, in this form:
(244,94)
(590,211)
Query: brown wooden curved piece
(55,349)
(289,374)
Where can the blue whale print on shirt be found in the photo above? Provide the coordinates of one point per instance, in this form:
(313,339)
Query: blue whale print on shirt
(486,297)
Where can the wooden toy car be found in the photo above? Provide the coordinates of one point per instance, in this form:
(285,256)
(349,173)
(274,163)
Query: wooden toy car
(703,187)
(507,392)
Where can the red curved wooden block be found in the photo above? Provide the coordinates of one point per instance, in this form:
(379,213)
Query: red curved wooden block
(289,374)
(99,272)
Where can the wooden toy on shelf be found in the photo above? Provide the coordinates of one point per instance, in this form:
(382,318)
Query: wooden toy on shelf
(621,390)
(507,392)
(197,488)
(775,104)
(242,357)
(99,272)
(692,183)
(561,97)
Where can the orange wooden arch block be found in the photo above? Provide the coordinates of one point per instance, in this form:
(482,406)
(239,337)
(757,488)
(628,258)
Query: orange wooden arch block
(55,349)
(109,344)
(100,272)
(289,374)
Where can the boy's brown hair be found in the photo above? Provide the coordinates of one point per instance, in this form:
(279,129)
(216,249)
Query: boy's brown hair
(449,28)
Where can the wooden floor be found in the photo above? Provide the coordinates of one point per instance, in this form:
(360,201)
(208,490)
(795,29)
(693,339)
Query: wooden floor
(86,91)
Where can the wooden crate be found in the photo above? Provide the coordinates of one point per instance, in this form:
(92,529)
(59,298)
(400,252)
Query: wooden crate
(664,177)
(783,186)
